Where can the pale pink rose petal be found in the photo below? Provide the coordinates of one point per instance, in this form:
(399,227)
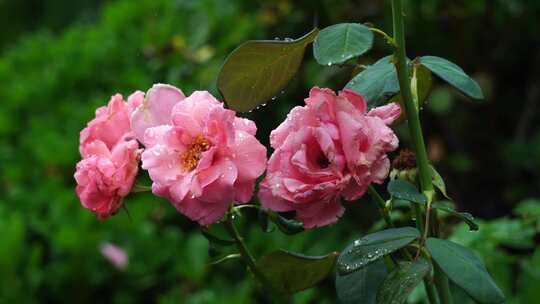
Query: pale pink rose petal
(320,214)
(155,110)
(115,255)
(387,113)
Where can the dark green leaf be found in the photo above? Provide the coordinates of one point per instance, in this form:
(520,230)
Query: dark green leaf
(215,239)
(258,70)
(401,281)
(454,75)
(377,83)
(341,42)
(287,226)
(465,269)
(361,286)
(464,216)
(292,272)
(401,189)
(373,246)
(438,181)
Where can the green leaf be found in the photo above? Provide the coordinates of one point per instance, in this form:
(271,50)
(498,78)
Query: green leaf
(258,70)
(464,216)
(401,189)
(401,281)
(377,83)
(287,226)
(293,272)
(465,269)
(373,246)
(453,74)
(438,181)
(341,42)
(361,286)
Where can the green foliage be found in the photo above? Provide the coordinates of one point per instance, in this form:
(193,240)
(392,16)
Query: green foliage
(466,269)
(257,71)
(401,281)
(373,247)
(403,190)
(377,83)
(292,272)
(361,285)
(454,75)
(341,42)
(446,206)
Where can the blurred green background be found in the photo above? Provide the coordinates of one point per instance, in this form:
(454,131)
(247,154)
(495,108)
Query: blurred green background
(60,59)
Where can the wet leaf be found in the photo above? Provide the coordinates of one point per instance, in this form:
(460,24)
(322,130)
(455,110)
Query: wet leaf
(361,286)
(465,269)
(454,75)
(293,272)
(341,42)
(258,70)
(464,216)
(374,246)
(401,189)
(401,281)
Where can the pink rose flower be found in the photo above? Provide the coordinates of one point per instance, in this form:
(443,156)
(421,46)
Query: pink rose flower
(111,157)
(324,151)
(112,122)
(200,156)
(106,176)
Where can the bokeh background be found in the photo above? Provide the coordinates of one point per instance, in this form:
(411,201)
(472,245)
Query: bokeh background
(61,59)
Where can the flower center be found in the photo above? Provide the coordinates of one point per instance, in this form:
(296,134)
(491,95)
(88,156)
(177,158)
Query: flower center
(190,158)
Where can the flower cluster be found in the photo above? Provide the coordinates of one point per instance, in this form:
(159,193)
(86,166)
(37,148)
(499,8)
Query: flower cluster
(110,155)
(203,158)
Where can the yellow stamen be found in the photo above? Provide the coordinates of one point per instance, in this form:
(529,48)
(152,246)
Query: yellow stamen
(190,158)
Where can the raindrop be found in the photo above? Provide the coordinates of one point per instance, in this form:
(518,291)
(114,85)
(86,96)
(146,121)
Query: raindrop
(329,64)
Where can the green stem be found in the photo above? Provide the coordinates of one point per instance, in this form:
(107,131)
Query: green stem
(443,287)
(415,129)
(381,204)
(413,118)
(244,251)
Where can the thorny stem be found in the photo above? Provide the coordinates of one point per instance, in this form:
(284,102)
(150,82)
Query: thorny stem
(415,131)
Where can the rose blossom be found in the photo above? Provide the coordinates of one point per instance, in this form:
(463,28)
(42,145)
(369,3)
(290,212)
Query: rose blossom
(111,157)
(327,150)
(112,122)
(198,154)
